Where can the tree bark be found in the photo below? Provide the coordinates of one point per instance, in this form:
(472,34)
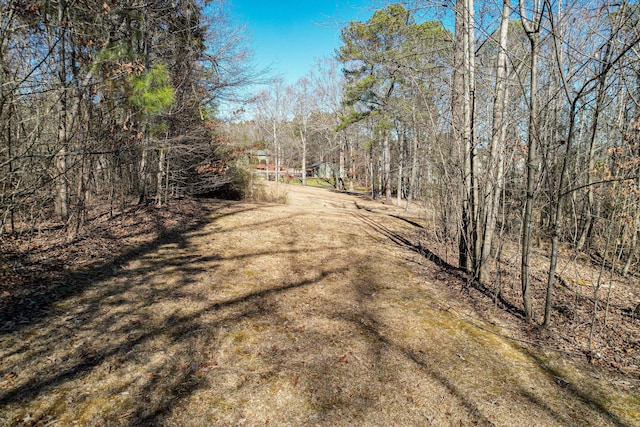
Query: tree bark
(160,175)
(590,215)
(532,29)
(276,145)
(62,186)
(341,164)
(143,173)
(470,112)
(414,166)
(386,166)
(352,166)
(498,132)
(401,144)
(464,81)
(457,126)
(303,138)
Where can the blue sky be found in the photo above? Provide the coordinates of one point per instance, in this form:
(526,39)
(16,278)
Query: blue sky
(287,36)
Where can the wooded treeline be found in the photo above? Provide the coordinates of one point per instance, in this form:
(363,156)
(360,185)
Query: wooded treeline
(109,102)
(513,121)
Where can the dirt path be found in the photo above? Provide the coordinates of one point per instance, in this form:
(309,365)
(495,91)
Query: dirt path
(309,313)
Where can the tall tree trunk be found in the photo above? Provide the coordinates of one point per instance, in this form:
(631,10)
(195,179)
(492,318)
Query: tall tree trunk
(160,175)
(401,144)
(414,166)
(62,186)
(143,173)
(634,243)
(371,171)
(470,112)
(457,126)
(464,80)
(303,138)
(590,214)
(341,164)
(352,165)
(532,29)
(276,145)
(498,132)
(386,166)
(556,218)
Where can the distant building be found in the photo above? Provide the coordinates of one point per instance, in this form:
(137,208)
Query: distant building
(262,156)
(262,167)
(322,170)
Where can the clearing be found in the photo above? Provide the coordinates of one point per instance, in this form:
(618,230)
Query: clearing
(316,312)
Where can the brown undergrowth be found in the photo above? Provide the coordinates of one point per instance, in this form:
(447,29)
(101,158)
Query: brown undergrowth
(323,311)
(38,266)
(612,342)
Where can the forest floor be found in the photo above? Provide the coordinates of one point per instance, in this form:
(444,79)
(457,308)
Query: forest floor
(329,310)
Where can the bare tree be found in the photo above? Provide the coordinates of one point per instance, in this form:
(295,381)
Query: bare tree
(495,167)
(531,25)
(302,111)
(273,114)
(463,99)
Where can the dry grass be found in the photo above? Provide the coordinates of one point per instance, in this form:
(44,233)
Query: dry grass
(263,192)
(317,312)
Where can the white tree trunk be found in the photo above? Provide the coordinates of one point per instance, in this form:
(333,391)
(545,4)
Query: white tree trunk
(496,163)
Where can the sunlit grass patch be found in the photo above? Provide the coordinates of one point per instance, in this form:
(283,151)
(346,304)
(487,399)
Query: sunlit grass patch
(264,192)
(595,386)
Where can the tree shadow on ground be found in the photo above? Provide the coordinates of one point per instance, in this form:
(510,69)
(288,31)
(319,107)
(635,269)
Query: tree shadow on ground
(557,377)
(113,325)
(168,328)
(33,300)
(452,271)
(422,361)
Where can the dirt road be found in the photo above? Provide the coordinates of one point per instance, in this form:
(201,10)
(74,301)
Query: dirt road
(311,313)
